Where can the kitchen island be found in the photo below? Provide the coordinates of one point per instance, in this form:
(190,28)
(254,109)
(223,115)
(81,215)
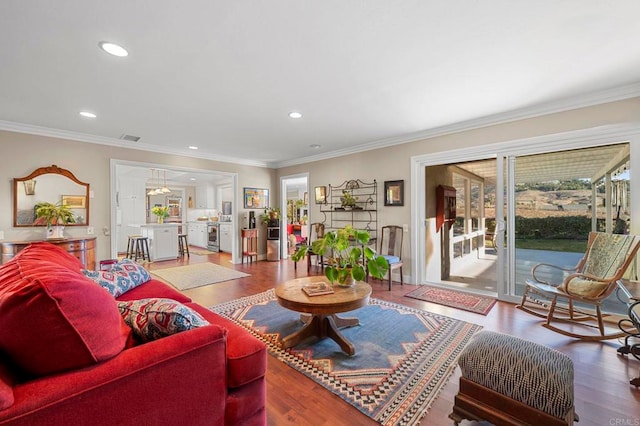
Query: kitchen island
(163,239)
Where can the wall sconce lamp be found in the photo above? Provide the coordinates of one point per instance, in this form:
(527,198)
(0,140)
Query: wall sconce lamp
(29,186)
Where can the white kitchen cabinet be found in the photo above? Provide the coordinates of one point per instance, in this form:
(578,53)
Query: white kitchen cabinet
(163,240)
(226,236)
(205,197)
(197,234)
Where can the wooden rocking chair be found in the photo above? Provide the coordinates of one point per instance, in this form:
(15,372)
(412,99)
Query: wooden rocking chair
(594,278)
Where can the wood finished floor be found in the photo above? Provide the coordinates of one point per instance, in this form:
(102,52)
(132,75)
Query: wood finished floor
(602,390)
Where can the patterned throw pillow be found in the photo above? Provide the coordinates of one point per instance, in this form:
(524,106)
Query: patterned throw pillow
(152,319)
(115,282)
(136,272)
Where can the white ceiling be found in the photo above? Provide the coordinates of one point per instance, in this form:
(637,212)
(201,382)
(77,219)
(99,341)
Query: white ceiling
(223,75)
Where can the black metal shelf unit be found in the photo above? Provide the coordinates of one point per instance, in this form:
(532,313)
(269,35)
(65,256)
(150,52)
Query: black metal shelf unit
(362,213)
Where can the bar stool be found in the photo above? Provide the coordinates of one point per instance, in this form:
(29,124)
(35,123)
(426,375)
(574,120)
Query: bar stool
(138,246)
(183,245)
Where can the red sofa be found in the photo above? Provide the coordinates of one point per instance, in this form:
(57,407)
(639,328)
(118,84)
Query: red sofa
(67,357)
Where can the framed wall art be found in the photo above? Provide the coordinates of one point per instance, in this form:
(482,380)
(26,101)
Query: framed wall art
(321,194)
(256,198)
(394,193)
(74,201)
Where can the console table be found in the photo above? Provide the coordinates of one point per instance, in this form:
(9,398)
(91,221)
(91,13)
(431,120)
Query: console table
(249,244)
(83,248)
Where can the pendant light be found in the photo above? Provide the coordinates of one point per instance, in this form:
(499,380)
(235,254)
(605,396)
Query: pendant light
(152,191)
(164,189)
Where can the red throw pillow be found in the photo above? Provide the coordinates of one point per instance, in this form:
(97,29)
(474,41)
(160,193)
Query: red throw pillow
(54,319)
(52,253)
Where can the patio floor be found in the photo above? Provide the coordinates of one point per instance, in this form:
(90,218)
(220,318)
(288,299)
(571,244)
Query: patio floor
(479,274)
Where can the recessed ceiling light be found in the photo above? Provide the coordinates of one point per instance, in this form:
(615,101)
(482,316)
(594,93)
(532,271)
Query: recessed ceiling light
(193,147)
(314,146)
(87,114)
(295,114)
(192,178)
(113,49)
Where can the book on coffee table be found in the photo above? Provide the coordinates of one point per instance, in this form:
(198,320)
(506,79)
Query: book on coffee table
(317,289)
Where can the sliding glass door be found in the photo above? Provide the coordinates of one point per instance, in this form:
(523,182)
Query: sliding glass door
(519,209)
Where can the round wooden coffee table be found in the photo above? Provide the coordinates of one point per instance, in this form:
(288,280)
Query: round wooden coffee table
(322,320)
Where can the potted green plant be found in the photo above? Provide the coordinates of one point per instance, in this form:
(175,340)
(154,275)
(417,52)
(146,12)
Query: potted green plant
(348,201)
(269,214)
(347,255)
(54,216)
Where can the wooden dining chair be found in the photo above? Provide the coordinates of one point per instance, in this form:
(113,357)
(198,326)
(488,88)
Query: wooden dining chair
(317,231)
(391,237)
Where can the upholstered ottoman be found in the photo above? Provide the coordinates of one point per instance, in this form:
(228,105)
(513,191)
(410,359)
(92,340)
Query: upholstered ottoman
(510,381)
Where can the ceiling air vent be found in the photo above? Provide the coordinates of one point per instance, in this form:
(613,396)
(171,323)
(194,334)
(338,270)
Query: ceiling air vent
(130,138)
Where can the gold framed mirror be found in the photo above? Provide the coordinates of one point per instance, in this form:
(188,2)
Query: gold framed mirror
(53,185)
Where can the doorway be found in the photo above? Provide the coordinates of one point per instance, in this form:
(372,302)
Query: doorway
(199,191)
(294,205)
(463,253)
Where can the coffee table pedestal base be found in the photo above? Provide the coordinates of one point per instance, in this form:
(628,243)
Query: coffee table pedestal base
(322,326)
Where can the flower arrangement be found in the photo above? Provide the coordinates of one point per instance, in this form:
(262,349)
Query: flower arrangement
(161,211)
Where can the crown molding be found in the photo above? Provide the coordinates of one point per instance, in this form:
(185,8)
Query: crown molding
(102,140)
(565,104)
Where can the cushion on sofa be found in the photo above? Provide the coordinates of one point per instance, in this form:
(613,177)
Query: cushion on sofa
(47,251)
(137,274)
(55,319)
(152,319)
(154,289)
(115,282)
(246,355)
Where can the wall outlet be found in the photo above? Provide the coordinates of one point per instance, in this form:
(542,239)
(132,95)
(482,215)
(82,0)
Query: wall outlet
(1,235)
(90,230)
(105,231)
(405,227)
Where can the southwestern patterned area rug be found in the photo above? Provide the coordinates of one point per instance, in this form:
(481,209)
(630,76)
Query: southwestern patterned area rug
(454,299)
(404,356)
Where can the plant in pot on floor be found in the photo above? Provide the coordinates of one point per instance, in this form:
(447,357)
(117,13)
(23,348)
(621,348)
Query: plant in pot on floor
(55,217)
(346,254)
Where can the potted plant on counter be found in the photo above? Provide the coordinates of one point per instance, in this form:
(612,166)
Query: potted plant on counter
(54,216)
(346,254)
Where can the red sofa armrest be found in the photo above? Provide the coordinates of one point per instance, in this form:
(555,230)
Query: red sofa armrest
(178,379)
